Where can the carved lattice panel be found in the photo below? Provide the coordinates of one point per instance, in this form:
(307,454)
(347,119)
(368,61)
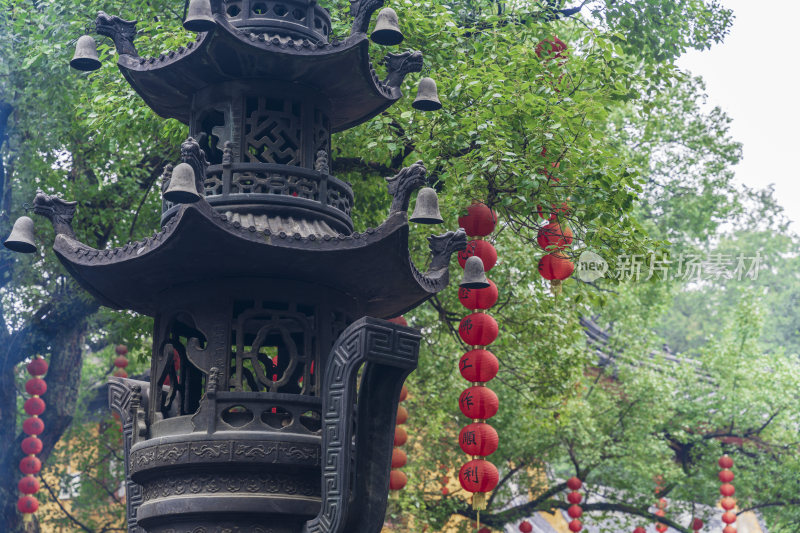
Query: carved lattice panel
(233,9)
(322,132)
(273,131)
(274,351)
(339,200)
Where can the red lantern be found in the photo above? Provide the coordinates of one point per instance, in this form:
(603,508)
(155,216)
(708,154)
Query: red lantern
(660,512)
(27,504)
(479,366)
(445,491)
(574,483)
(402,415)
(36,387)
(727,489)
(34,406)
(556,267)
(697,524)
(725,462)
(662,503)
(121,361)
(478,439)
(478,329)
(639,529)
(484,530)
(478,476)
(554,236)
(574,497)
(30,465)
(726,476)
(479,220)
(575,511)
(478,298)
(482,249)
(550,46)
(399,320)
(729,517)
(525,527)
(403,393)
(31,445)
(33,426)
(661,528)
(729,529)
(119,373)
(397,480)
(37,367)
(399,458)
(728,503)
(575,525)
(121,349)
(478,403)
(28,485)
(400,436)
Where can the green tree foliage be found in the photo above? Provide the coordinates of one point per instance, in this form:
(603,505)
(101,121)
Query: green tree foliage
(610,127)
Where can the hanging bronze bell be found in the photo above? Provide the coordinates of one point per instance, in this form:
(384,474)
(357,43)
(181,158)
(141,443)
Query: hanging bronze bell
(182,188)
(387,28)
(474,275)
(21,238)
(427,96)
(427,209)
(199,17)
(85,57)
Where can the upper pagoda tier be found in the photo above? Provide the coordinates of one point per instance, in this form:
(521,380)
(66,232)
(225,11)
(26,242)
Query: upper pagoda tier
(281,42)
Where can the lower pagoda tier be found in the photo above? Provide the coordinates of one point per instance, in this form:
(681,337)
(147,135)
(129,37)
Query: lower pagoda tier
(200,245)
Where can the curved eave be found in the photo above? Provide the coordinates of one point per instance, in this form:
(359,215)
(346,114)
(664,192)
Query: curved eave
(341,71)
(200,246)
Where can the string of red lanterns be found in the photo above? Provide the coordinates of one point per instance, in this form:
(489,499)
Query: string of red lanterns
(478,365)
(121,361)
(397,478)
(661,512)
(727,491)
(575,511)
(30,465)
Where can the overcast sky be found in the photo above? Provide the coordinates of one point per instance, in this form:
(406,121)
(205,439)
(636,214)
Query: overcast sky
(753,75)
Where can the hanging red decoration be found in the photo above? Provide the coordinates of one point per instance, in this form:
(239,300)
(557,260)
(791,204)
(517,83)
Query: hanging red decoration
(661,528)
(28,484)
(478,475)
(575,511)
(402,415)
(33,426)
(556,267)
(399,320)
(34,406)
(403,393)
(399,458)
(478,439)
(725,462)
(479,221)
(400,436)
(36,387)
(639,529)
(729,517)
(551,47)
(30,465)
(478,329)
(37,367)
(478,366)
(397,480)
(27,504)
(479,298)
(478,403)
(120,373)
(121,361)
(726,489)
(697,524)
(554,236)
(31,445)
(574,497)
(726,476)
(727,503)
(729,529)
(574,483)
(525,527)
(575,526)
(482,249)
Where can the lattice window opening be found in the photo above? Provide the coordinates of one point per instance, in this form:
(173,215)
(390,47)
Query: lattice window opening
(322,132)
(180,384)
(339,200)
(210,126)
(212,186)
(277,417)
(281,363)
(237,416)
(233,9)
(273,131)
